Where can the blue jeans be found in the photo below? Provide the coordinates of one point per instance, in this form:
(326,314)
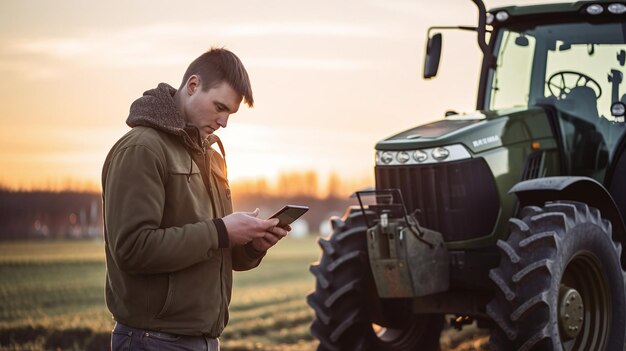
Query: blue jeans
(125,338)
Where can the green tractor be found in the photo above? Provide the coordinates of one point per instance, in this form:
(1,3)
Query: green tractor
(510,217)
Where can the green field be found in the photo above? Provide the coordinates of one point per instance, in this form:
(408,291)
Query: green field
(52,297)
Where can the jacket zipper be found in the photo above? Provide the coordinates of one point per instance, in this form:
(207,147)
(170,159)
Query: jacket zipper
(207,169)
(213,206)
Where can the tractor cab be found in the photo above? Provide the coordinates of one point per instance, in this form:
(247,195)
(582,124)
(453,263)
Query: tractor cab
(572,66)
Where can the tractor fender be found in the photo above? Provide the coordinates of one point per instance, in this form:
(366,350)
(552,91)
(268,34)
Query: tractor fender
(538,191)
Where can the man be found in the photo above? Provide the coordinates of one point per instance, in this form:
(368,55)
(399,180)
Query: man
(172,240)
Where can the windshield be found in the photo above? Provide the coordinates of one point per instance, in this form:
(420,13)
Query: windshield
(575,67)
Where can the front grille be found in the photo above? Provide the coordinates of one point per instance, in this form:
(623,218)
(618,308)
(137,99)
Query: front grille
(458,199)
(534,167)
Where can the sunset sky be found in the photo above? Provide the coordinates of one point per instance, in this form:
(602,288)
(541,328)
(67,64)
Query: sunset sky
(330,79)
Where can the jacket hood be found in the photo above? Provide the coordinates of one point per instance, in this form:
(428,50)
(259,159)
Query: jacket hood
(157,109)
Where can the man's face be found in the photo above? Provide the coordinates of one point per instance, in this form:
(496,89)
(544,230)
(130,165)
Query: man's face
(209,110)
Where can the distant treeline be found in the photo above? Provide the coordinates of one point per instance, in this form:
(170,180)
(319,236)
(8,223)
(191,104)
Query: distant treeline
(41,214)
(55,215)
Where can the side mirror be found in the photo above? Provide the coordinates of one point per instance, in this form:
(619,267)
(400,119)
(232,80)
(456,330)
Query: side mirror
(433,56)
(565,46)
(521,40)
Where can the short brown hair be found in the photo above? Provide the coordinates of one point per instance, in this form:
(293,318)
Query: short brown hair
(220,65)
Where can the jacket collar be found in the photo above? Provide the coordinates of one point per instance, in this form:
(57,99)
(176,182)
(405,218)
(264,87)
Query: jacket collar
(157,109)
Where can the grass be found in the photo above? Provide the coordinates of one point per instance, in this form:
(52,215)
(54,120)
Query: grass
(52,297)
(268,309)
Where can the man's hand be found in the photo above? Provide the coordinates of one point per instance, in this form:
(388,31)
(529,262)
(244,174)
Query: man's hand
(243,227)
(272,236)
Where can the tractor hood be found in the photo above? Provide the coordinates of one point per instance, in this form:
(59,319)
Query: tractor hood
(477,131)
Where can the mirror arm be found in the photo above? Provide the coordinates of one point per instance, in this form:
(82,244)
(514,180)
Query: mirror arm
(482,30)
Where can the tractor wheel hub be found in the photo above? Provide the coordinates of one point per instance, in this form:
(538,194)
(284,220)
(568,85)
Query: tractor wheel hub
(571,312)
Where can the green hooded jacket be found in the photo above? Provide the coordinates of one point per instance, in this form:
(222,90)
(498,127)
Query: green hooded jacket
(168,258)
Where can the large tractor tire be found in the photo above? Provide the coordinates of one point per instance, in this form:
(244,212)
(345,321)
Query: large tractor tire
(560,284)
(345,300)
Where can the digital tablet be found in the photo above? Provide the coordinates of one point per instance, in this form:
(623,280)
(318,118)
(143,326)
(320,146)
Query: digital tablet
(289,214)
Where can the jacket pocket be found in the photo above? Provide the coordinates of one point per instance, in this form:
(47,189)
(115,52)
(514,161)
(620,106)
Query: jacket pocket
(169,297)
(186,199)
(185,172)
(194,295)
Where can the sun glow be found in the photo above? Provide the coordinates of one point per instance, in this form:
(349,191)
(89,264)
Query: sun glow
(328,84)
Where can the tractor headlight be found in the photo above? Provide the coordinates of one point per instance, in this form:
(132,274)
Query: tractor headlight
(490,18)
(440,153)
(617,8)
(422,156)
(387,157)
(594,9)
(618,109)
(502,16)
(403,157)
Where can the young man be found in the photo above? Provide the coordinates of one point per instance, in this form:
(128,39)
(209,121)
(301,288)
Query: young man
(172,240)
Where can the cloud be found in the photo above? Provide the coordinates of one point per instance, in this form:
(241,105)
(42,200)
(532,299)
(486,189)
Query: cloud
(403,7)
(168,45)
(128,48)
(320,29)
(53,137)
(310,64)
